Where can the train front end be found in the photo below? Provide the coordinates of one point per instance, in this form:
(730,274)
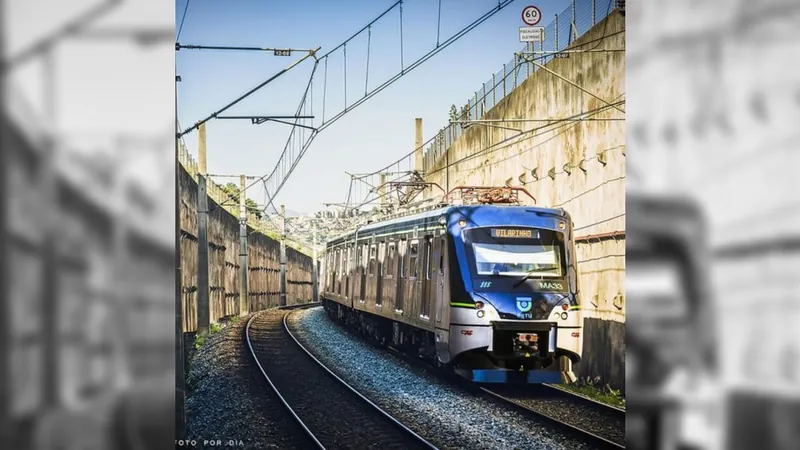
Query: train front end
(514,311)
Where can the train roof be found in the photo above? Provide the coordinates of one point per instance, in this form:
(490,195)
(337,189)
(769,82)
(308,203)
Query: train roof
(443,210)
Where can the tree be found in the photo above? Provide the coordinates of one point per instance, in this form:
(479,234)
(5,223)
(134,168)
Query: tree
(232,190)
(453,113)
(252,206)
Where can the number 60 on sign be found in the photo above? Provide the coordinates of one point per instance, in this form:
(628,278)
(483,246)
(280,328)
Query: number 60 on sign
(531,15)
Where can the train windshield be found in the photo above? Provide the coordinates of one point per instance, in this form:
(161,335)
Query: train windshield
(518,259)
(515,252)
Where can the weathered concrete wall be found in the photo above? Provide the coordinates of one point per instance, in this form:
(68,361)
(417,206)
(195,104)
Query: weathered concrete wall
(577,165)
(263,255)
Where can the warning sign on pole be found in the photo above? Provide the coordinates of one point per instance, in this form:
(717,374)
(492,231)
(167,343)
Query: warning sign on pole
(531,34)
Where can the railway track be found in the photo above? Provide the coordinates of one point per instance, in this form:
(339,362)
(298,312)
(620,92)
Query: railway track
(601,424)
(528,403)
(541,403)
(332,413)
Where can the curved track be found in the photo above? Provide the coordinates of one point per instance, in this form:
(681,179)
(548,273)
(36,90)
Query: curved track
(333,414)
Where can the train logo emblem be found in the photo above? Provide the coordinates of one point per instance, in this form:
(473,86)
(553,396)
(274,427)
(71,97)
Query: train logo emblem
(524,304)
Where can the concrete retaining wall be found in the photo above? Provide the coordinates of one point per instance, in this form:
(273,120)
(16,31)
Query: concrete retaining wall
(263,255)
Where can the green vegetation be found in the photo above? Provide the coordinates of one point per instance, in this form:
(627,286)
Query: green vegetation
(232,190)
(201,340)
(591,388)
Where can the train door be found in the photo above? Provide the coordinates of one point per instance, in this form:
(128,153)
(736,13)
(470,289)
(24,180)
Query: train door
(372,272)
(413,293)
(379,281)
(363,270)
(441,301)
(401,275)
(348,263)
(427,251)
(336,284)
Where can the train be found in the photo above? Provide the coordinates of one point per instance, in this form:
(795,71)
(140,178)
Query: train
(485,287)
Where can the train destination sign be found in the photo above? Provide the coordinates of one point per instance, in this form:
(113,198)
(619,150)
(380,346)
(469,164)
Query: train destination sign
(512,233)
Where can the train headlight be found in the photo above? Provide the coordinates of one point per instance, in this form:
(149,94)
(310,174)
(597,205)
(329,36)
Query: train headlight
(565,306)
(561,225)
(563,316)
(462,223)
(481,313)
(478,305)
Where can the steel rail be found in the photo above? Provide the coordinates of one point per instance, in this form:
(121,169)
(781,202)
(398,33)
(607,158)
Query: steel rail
(589,436)
(274,388)
(597,442)
(377,408)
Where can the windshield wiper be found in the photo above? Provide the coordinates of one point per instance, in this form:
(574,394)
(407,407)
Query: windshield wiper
(524,278)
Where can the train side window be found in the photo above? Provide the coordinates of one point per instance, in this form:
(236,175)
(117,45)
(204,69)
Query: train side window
(364,258)
(390,260)
(403,244)
(351,256)
(441,255)
(413,256)
(382,257)
(372,256)
(336,261)
(428,259)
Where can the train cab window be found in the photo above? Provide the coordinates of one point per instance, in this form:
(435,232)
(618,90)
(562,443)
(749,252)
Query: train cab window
(390,261)
(413,256)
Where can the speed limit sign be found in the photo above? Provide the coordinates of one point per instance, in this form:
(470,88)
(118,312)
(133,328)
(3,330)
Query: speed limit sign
(531,15)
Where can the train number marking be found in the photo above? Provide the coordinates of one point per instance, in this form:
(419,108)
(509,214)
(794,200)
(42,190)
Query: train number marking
(576,334)
(466,332)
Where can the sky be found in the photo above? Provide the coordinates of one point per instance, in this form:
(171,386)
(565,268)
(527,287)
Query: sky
(374,134)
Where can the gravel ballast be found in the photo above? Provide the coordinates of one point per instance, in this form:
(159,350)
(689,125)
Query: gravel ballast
(229,399)
(598,419)
(338,418)
(448,417)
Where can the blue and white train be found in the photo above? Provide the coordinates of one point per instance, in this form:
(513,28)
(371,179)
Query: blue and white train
(489,290)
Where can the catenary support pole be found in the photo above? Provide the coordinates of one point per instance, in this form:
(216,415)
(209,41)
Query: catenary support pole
(283,255)
(243,307)
(314,288)
(203,312)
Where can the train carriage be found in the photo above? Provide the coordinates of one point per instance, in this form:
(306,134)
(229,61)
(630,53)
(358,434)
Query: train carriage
(488,289)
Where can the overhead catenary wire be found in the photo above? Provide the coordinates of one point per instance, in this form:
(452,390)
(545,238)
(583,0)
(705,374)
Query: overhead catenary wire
(183,18)
(304,148)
